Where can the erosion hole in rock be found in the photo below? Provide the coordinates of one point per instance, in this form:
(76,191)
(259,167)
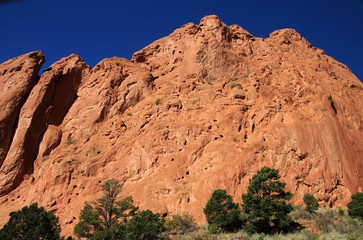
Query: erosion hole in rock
(172,159)
(165,215)
(187,172)
(303,156)
(253,127)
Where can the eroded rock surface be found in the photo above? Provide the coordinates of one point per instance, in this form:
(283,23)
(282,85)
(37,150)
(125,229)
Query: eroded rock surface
(201,109)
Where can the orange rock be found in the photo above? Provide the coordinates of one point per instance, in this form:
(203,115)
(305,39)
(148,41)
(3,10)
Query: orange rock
(201,109)
(17,77)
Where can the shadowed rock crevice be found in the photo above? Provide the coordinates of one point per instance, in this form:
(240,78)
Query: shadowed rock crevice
(332,104)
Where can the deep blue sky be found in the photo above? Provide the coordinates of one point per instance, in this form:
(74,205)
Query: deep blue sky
(101,29)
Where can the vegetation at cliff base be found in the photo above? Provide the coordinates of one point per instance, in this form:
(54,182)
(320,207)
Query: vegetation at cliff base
(311,203)
(108,219)
(265,203)
(145,225)
(265,214)
(355,207)
(223,215)
(31,222)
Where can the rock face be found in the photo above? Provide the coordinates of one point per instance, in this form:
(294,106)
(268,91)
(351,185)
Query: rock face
(201,109)
(17,77)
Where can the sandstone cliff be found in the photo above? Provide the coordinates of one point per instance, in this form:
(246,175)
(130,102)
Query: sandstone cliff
(201,109)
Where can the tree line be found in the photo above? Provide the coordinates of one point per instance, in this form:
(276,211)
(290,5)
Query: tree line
(265,209)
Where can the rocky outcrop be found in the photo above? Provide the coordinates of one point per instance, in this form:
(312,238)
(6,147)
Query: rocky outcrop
(46,105)
(17,77)
(201,109)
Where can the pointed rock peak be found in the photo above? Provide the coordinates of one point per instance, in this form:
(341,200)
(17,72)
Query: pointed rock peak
(288,36)
(109,63)
(72,61)
(211,22)
(37,55)
(289,33)
(31,58)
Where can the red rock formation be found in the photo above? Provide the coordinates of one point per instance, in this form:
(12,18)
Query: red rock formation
(46,106)
(201,109)
(17,77)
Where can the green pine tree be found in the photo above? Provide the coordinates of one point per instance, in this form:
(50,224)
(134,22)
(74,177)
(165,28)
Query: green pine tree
(311,203)
(31,222)
(106,218)
(145,225)
(355,207)
(222,213)
(265,203)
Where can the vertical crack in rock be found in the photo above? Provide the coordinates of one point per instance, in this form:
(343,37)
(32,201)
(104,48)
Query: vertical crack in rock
(332,104)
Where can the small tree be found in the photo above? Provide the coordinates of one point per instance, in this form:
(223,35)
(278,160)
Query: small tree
(106,218)
(145,225)
(31,222)
(355,207)
(311,203)
(222,213)
(265,203)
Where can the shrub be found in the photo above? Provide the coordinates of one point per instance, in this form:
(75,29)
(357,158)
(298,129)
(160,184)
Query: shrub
(233,85)
(355,207)
(245,76)
(31,222)
(325,221)
(157,102)
(311,203)
(265,203)
(222,213)
(180,224)
(341,211)
(71,141)
(299,213)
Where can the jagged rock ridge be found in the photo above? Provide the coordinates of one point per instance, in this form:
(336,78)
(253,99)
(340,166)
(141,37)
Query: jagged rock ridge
(201,109)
